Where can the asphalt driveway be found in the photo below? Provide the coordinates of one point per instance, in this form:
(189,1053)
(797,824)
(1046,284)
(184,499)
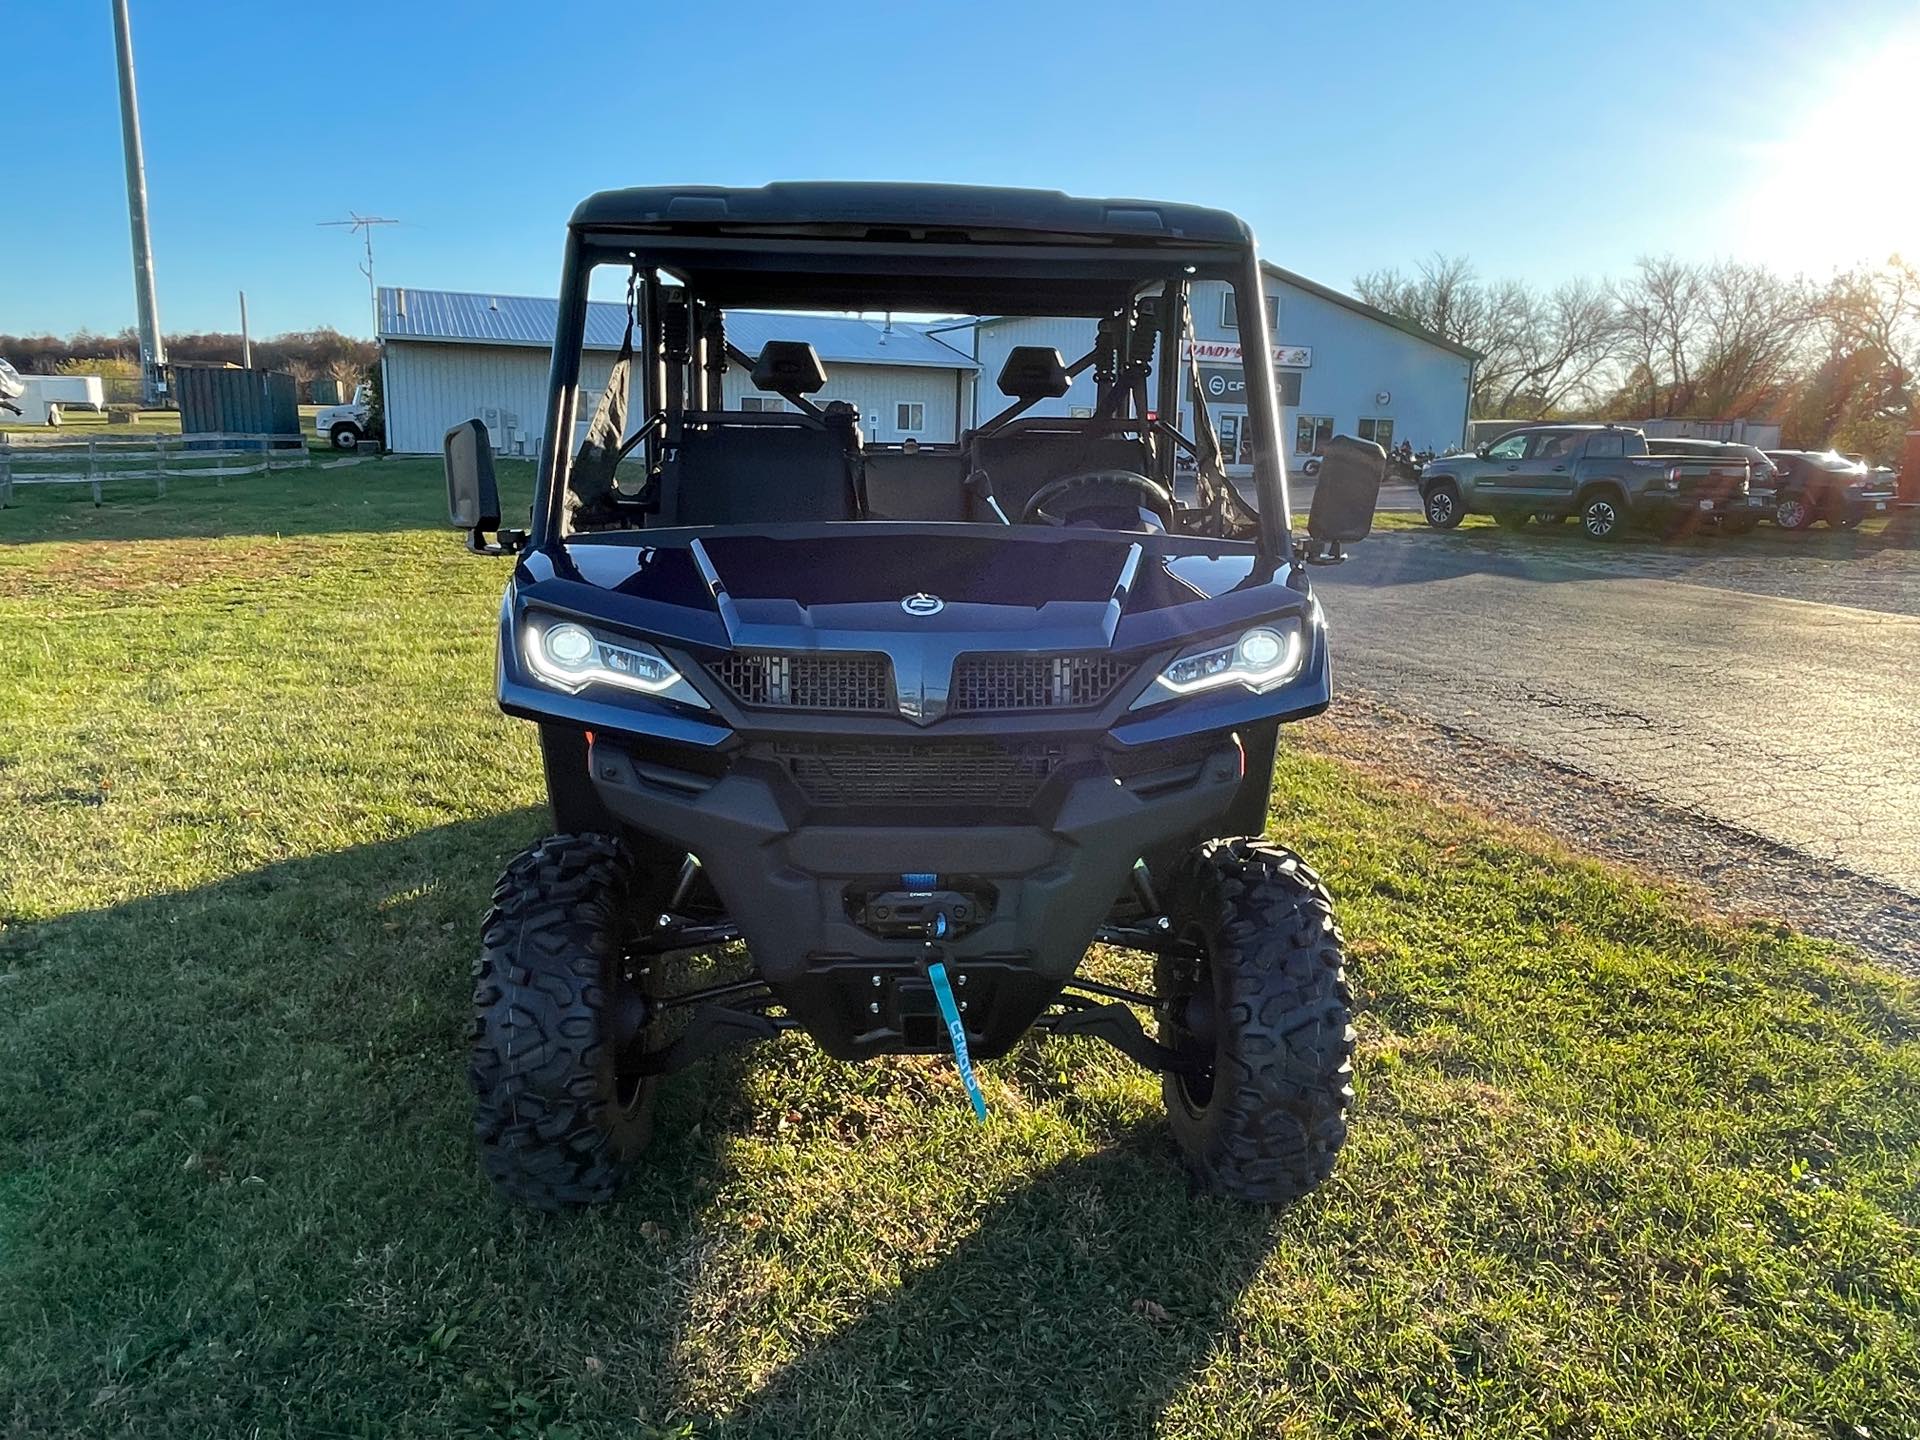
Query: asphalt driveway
(1775,693)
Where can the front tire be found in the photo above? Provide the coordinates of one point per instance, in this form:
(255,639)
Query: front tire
(344,437)
(1264,1017)
(1443,506)
(555,1000)
(1792,512)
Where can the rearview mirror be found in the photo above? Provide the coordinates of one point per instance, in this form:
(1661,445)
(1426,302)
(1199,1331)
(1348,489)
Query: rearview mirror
(1347,491)
(473,499)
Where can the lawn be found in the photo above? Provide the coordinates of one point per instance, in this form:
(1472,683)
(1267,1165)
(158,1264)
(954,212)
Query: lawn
(1616,1169)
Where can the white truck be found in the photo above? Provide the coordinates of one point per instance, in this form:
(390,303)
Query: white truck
(37,399)
(345,426)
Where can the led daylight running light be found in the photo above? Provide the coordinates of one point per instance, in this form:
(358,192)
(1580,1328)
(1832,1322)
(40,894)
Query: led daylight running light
(570,657)
(1259,659)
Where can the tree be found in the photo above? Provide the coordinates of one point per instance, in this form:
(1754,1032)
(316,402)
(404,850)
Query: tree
(1539,353)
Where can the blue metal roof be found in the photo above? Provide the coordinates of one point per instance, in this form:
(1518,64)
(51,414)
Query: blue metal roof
(452,315)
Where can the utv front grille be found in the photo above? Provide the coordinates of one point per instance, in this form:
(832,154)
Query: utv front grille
(918,774)
(987,683)
(807,682)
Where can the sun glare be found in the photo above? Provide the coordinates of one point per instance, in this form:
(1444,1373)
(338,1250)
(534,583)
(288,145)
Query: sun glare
(1834,184)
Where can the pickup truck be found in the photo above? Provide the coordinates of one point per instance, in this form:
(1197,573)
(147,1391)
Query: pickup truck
(345,426)
(1763,476)
(1603,474)
(1822,485)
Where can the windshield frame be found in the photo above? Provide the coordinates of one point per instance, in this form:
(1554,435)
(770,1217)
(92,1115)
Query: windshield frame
(1025,261)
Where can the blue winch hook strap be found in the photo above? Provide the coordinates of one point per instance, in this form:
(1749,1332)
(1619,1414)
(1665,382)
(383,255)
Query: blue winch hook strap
(957,1033)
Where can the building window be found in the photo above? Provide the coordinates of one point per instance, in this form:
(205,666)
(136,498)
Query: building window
(1230,319)
(1377,428)
(910,417)
(1311,434)
(761,404)
(1289,387)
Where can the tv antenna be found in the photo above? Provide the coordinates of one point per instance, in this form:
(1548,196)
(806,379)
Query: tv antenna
(363,224)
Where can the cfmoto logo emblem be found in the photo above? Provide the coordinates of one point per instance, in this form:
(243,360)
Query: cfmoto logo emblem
(923,604)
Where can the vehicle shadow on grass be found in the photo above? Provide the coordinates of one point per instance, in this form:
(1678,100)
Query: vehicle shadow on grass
(208,1072)
(1082,1303)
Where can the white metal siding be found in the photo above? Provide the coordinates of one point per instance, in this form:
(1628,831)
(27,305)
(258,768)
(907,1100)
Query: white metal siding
(1355,358)
(433,386)
(876,391)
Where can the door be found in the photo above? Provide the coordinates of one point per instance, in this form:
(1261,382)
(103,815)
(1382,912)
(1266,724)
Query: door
(1497,478)
(1548,470)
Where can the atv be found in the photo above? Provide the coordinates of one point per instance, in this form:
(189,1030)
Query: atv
(874,741)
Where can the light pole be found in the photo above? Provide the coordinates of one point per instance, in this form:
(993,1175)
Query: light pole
(153,349)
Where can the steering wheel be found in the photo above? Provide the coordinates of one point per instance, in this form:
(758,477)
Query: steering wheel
(1150,494)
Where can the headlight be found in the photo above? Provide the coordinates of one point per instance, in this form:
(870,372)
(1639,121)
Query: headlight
(1260,659)
(571,657)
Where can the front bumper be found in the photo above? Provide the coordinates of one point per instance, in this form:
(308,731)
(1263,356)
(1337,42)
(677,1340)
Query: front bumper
(791,877)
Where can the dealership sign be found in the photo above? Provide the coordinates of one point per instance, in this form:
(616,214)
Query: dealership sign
(1227,352)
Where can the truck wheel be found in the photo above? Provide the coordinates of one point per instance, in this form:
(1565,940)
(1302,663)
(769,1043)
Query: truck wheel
(1601,518)
(554,1001)
(1263,1016)
(344,437)
(1443,506)
(1791,512)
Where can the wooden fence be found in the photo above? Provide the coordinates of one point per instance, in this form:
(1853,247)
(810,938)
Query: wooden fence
(98,460)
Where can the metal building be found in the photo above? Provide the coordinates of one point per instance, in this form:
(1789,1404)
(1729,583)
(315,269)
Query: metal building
(448,356)
(1345,368)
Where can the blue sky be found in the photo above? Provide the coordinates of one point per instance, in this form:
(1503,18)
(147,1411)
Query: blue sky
(1541,140)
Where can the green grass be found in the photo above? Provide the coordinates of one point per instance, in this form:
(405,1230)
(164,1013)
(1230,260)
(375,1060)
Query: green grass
(1615,1169)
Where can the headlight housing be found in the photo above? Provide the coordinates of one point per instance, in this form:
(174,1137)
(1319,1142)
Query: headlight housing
(570,656)
(1260,659)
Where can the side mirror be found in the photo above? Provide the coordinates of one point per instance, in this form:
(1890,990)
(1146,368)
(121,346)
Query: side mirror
(1346,494)
(1480,451)
(473,498)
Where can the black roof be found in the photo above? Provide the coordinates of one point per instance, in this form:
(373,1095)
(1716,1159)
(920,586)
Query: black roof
(889,205)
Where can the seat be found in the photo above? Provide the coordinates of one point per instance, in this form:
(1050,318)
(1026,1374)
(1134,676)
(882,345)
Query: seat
(1019,462)
(756,475)
(916,487)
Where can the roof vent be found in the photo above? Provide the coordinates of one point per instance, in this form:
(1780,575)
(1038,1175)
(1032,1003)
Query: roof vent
(400,302)
(493,302)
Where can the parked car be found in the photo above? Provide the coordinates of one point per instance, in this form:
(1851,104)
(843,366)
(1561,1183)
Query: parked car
(1604,474)
(345,426)
(1825,485)
(1763,477)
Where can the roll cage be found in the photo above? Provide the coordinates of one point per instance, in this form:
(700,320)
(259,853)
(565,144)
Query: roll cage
(692,253)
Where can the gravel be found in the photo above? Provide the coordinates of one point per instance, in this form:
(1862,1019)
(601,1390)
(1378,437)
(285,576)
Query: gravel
(1730,870)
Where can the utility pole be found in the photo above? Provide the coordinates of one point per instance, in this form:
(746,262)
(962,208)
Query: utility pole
(364,224)
(153,349)
(246,342)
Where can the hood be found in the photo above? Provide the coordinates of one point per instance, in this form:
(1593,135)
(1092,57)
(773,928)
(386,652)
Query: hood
(890,586)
